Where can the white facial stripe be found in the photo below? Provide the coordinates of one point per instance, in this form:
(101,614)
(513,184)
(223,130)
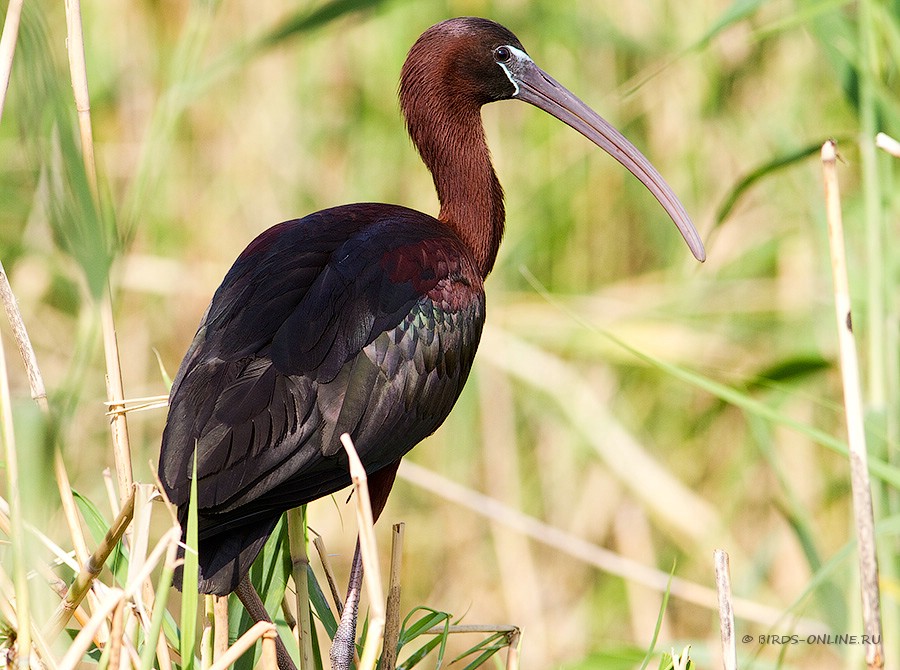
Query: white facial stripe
(520,56)
(510,77)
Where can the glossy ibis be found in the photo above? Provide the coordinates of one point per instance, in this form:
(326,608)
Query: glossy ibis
(361,319)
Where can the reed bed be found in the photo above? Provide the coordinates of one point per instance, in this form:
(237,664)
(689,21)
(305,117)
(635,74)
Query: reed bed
(630,413)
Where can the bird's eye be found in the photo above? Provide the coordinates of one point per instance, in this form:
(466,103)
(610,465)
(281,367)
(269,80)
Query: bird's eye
(502,54)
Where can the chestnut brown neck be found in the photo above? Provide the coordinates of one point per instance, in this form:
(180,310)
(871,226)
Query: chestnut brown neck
(448,132)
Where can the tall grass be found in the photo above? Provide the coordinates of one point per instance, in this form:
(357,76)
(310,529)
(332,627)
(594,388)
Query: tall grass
(606,342)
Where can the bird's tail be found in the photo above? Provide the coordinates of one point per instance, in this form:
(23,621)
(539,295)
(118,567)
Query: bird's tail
(225,558)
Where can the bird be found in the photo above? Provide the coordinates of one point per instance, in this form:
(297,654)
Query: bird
(361,319)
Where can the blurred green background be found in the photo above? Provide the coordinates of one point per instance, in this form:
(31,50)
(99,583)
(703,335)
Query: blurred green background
(215,120)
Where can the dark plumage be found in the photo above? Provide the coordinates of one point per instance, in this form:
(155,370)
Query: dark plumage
(361,319)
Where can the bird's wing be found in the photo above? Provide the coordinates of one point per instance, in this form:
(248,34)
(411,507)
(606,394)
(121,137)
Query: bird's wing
(362,320)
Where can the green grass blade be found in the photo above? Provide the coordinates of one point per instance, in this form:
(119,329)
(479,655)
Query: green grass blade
(488,647)
(190,598)
(305,21)
(320,605)
(98,527)
(659,620)
(736,12)
(767,169)
(163,588)
(429,620)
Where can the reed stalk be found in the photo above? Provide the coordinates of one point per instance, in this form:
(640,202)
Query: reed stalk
(296,519)
(392,611)
(17,526)
(853,408)
(369,551)
(726,610)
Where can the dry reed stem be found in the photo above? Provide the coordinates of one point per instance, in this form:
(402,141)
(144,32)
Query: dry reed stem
(460,629)
(114,385)
(82,641)
(243,644)
(45,660)
(220,641)
(887,143)
(369,552)
(726,613)
(130,405)
(599,557)
(116,393)
(289,619)
(853,409)
(8,47)
(70,511)
(17,525)
(208,632)
(268,659)
(116,635)
(23,342)
(143,513)
(299,565)
(91,570)
(392,613)
(319,544)
(111,496)
(7,590)
(512,656)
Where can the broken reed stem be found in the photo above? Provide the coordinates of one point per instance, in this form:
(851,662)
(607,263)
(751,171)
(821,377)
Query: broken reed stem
(853,408)
(296,519)
(90,570)
(369,552)
(268,659)
(23,342)
(887,143)
(392,613)
(243,644)
(8,47)
(220,641)
(460,629)
(17,525)
(206,637)
(512,656)
(319,544)
(726,613)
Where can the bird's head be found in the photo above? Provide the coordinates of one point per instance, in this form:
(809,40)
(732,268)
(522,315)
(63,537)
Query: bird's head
(463,63)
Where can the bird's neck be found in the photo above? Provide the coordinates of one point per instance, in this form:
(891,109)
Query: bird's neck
(452,145)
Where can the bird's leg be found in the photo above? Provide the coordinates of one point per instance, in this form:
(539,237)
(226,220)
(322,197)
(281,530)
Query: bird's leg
(342,646)
(251,601)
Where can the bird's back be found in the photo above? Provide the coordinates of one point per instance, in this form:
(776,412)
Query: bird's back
(361,319)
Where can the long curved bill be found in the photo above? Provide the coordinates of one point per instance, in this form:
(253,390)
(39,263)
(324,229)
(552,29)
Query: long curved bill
(535,86)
